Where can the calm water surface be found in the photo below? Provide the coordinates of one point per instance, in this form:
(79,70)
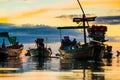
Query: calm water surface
(32,68)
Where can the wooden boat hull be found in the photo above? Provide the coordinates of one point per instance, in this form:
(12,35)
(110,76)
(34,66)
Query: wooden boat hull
(14,52)
(11,52)
(36,52)
(80,53)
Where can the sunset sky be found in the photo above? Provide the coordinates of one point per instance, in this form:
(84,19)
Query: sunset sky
(54,12)
(61,12)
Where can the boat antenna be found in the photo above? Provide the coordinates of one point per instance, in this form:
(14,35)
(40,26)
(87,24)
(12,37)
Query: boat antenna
(81,7)
(82,10)
(85,41)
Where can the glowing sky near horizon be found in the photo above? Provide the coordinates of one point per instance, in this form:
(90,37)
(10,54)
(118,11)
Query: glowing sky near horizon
(46,11)
(60,12)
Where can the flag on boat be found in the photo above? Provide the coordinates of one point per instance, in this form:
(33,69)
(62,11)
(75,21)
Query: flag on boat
(12,40)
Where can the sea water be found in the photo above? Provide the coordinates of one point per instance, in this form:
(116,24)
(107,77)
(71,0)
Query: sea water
(34,68)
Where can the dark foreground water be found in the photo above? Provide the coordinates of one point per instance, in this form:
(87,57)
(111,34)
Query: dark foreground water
(32,68)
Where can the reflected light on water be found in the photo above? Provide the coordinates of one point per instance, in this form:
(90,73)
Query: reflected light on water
(33,68)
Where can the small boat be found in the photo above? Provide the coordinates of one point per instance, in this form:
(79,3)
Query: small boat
(41,50)
(94,49)
(13,49)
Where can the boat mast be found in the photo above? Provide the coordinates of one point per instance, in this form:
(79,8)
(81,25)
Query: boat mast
(83,21)
(78,20)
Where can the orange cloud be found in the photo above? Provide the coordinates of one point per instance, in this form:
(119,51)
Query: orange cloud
(4,20)
(31,13)
(22,15)
(110,3)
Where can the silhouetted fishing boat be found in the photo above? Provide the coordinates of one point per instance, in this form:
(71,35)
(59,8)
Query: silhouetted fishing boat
(94,49)
(40,50)
(72,49)
(13,49)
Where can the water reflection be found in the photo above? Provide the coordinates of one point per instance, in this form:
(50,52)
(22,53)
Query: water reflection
(40,63)
(61,69)
(86,69)
(12,65)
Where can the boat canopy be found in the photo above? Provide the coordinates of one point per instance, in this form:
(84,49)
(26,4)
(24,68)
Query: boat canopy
(84,19)
(72,27)
(4,34)
(12,40)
